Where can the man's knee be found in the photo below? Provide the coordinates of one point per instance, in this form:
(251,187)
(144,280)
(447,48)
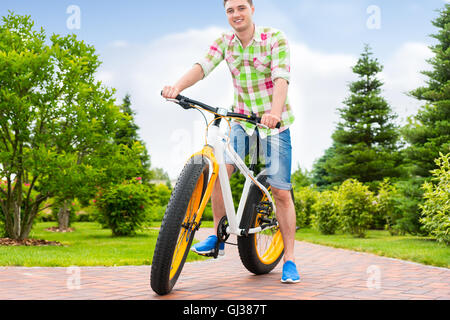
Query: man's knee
(282,197)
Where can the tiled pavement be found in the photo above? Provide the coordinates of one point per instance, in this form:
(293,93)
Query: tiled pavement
(327,273)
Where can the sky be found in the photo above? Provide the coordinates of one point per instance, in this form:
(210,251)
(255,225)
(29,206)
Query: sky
(145,45)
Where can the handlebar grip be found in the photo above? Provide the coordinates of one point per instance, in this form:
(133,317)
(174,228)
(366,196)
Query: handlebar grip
(179,97)
(258,120)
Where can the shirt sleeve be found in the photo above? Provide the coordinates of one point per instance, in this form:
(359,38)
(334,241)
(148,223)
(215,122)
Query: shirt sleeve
(214,56)
(281,65)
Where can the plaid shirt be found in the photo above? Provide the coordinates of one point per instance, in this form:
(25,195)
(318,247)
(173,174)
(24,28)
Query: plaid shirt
(254,70)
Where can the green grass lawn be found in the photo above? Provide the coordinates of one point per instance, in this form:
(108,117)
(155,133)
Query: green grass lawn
(412,248)
(88,245)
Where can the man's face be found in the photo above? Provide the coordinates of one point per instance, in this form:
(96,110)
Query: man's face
(239,14)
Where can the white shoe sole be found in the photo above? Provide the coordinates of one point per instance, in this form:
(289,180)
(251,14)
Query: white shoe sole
(290,281)
(221,252)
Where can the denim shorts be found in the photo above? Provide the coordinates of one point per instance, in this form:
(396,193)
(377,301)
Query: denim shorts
(277,152)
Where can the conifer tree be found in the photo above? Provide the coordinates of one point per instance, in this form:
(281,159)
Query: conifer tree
(128,135)
(366,139)
(428,132)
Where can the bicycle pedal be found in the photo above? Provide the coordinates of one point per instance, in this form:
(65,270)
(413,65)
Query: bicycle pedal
(209,255)
(264,208)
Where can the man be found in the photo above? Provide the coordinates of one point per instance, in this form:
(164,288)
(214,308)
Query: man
(258,59)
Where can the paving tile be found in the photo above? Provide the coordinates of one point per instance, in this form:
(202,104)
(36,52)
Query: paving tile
(327,274)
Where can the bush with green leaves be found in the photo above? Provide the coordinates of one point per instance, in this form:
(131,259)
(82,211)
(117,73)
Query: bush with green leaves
(357,207)
(405,218)
(326,212)
(123,207)
(305,198)
(160,194)
(385,205)
(436,209)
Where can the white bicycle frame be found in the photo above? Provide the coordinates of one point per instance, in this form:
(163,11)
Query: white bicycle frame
(221,143)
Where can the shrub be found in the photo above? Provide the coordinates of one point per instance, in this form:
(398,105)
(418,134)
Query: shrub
(122,208)
(160,195)
(326,212)
(436,209)
(357,205)
(406,214)
(385,205)
(305,198)
(155,213)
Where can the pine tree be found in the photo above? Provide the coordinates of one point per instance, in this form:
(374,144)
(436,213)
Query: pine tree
(128,135)
(428,132)
(366,139)
(320,176)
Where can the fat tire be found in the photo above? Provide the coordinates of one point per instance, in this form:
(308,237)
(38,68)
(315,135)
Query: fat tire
(246,244)
(171,225)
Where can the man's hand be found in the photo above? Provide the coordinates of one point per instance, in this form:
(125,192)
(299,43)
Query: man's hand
(170,92)
(270,120)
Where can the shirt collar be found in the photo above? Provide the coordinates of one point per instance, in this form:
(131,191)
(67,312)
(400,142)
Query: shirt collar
(257,35)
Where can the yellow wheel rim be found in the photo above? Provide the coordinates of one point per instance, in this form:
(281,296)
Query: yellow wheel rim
(269,244)
(185,233)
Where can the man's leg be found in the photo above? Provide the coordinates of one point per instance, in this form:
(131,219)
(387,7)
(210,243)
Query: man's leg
(240,141)
(207,246)
(278,151)
(287,220)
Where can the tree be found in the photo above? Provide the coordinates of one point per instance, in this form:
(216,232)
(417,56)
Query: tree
(126,139)
(128,135)
(55,119)
(320,176)
(301,178)
(366,139)
(158,174)
(428,132)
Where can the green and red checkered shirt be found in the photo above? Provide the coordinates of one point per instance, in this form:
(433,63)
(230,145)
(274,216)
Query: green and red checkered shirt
(254,70)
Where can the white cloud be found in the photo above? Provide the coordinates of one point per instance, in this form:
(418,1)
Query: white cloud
(119,44)
(402,74)
(318,86)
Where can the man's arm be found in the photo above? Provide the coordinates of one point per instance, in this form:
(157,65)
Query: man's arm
(279,97)
(280,76)
(189,79)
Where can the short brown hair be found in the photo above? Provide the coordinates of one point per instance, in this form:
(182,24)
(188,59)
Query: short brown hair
(250,2)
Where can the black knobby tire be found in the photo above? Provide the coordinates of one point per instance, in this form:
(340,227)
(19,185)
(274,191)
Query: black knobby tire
(255,261)
(192,181)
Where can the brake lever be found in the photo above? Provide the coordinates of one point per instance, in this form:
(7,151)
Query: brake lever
(172,100)
(262,126)
(182,103)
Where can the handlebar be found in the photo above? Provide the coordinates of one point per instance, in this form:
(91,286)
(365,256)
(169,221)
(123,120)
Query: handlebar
(187,103)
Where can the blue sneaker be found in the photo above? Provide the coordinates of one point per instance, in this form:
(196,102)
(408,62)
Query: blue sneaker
(290,273)
(207,246)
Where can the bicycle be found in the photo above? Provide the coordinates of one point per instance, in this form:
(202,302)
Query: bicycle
(259,239)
